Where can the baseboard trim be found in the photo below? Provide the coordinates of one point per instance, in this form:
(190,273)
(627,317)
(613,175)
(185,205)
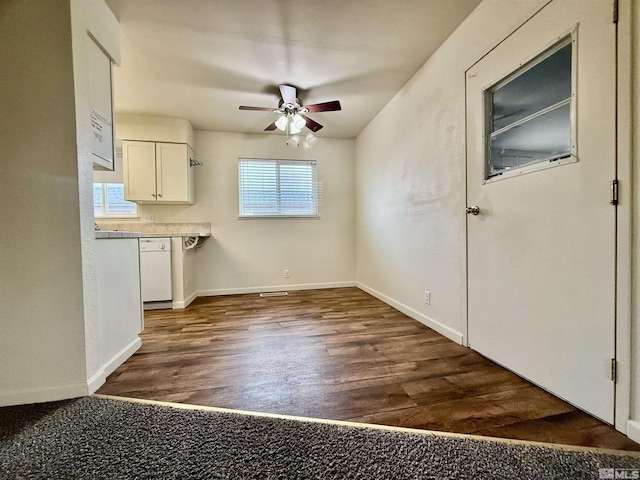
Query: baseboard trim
(185,303)
(442,329)
(120,357)
(273,288)
(45,394)
(633,430)
(96,381)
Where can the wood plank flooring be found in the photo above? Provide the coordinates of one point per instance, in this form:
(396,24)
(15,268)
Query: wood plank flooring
(341,354)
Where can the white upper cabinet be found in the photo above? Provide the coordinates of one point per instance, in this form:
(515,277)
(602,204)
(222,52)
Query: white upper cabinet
(139,171)
(174,176)
(156,172)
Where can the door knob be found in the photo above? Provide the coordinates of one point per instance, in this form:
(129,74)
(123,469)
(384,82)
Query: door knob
(475,210)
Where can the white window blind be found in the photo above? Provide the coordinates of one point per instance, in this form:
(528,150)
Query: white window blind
(277,188)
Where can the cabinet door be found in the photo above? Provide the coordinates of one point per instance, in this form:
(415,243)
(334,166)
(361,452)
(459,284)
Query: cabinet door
(172,170)
(139,171)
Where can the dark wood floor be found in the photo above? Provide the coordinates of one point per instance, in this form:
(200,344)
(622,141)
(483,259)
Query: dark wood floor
(341,354)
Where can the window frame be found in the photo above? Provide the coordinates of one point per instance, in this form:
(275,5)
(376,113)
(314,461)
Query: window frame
(568,37)
(279,162)
(104,203)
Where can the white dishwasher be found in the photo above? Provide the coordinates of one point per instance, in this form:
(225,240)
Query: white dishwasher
(155,272)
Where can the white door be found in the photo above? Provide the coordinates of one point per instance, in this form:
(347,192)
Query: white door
(541,251)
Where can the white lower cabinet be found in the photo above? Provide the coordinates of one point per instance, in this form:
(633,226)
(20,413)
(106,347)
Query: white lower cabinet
(156,172)
(119,300)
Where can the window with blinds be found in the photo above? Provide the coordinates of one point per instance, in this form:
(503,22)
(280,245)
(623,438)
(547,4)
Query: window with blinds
(277,188)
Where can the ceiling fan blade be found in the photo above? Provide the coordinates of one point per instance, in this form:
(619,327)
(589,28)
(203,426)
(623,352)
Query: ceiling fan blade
(262,109)
(312,124)
(288,93)
(324,107)
(270,127)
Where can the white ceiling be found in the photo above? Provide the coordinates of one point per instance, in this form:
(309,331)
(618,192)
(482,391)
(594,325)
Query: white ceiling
(202,59)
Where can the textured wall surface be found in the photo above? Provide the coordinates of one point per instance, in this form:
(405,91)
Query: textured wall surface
(89,17)
(50,343)
(41,295)
(410,178)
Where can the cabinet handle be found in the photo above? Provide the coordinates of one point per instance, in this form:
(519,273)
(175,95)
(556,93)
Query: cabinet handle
(160,195)
(153,194)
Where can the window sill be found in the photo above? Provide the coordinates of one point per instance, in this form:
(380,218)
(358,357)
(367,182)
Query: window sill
(301,217)
(536,167)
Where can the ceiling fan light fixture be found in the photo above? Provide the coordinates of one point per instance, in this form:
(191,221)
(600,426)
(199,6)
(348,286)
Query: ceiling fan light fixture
(294,141)
(282,122)
(294,129)
(311,139)
(299,121)
(292,113)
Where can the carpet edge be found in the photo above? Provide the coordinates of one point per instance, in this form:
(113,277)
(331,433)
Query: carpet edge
(388,428)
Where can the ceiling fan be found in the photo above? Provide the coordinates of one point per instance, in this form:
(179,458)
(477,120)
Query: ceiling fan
(292,114)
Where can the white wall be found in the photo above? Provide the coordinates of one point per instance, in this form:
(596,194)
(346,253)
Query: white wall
(184,283)
(48,308)
(154,129)
(246,255)
(41,296)
(91,21)
(410,179)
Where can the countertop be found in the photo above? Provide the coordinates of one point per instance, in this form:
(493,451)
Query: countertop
(102,234)
(158,229)
(174,234)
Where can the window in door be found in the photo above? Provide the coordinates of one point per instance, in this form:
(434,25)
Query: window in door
(530,115)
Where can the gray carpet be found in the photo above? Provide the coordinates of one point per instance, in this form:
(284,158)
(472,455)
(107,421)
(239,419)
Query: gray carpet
(97,438)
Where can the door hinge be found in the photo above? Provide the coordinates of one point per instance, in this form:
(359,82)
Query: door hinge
(614,370)
(614,192)
(615,11)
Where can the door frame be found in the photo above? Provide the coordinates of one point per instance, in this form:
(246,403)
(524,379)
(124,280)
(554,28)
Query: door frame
(624,210)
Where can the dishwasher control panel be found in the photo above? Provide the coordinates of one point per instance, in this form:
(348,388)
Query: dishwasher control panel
(155,244)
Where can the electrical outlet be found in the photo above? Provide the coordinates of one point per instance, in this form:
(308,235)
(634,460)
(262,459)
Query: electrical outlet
(148,218)
(286,274)
(427,297)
